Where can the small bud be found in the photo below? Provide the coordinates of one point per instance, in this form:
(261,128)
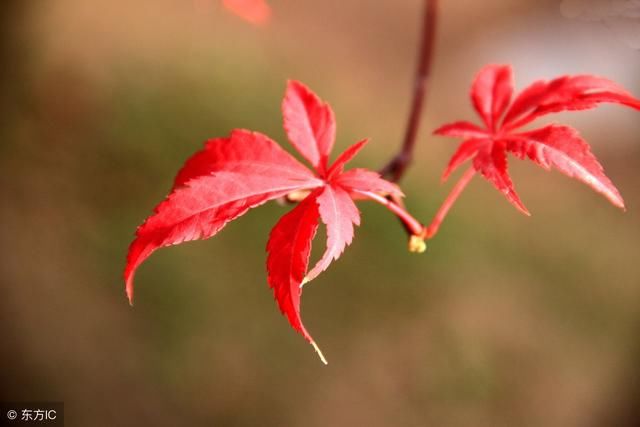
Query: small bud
(417,244)
(297,195)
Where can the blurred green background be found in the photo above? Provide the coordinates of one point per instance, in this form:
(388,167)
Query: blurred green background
(504,321)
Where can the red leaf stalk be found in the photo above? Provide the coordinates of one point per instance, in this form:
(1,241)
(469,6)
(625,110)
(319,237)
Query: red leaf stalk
(414,227)
(457,189)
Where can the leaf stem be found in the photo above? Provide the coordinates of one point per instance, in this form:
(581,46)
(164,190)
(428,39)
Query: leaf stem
(457,189)
(413,226)
(395,169)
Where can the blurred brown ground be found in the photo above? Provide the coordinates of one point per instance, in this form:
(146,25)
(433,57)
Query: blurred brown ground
(505,321)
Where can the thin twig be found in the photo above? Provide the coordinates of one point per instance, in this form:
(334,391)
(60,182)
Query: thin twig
(396,168)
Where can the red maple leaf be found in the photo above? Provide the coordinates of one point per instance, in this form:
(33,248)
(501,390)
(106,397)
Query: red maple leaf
(557,146)
(256,12)
(231,175)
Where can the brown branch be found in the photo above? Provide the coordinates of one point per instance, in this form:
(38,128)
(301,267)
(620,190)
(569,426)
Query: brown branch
(396,168)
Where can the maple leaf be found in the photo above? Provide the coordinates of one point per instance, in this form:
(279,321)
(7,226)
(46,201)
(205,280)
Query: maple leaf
(231,175)
(553,146)
(256,12)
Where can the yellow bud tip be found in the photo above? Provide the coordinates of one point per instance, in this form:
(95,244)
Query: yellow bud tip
(304,281)
(417,244)
(298,195)
(317,349)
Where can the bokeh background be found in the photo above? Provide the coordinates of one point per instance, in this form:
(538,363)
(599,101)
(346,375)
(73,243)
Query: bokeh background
(504,321)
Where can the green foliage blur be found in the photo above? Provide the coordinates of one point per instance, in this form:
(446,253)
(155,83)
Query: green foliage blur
(505,320)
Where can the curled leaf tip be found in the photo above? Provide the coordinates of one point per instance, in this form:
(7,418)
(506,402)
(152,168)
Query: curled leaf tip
(417,244)
(304,282)
(317,349)
(129,293)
